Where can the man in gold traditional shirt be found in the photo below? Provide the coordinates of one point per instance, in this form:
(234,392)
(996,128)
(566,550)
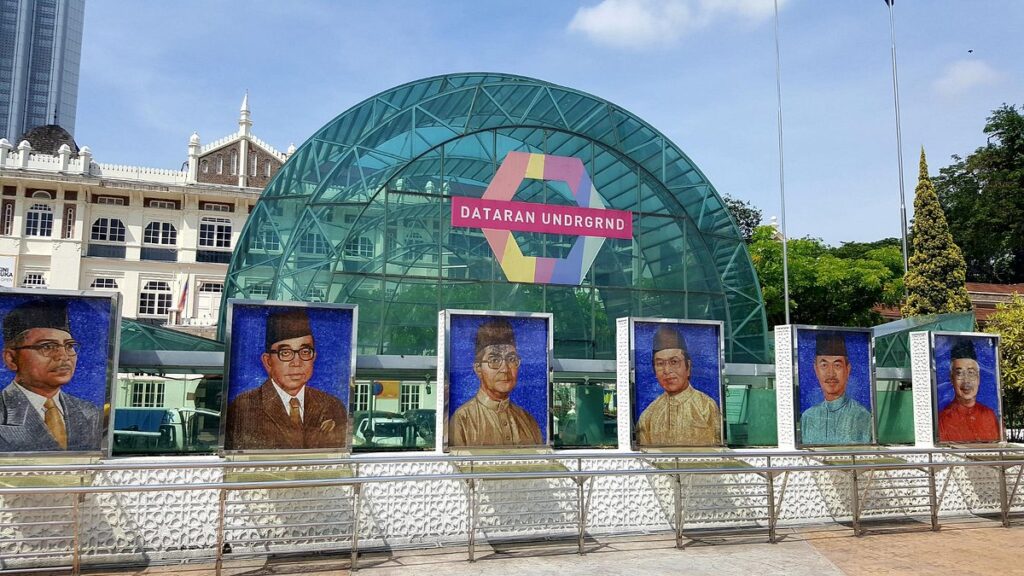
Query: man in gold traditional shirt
(682,415)
(490,418)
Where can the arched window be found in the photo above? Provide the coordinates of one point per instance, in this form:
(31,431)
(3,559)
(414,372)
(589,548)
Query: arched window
(252,166)
(234,162)
(204,166)
(266,169)
(162,233)
(39,221)
(108,230)
(220,163)
(214,232)
(155,298)
(42,195)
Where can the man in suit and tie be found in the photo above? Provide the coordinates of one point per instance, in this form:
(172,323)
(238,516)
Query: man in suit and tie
(35,414)
(284,413)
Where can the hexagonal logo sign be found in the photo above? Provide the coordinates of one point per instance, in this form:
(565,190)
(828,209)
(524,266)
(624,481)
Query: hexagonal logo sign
(497,215)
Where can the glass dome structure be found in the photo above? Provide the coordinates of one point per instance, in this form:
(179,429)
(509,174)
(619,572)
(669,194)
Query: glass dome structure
(361,214)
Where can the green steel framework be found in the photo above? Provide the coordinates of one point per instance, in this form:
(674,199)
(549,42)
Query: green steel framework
(361,214)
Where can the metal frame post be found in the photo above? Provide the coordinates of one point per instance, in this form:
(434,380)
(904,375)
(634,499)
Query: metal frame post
(1004,504)
(581,513)
(933,500)
(472,519)
(221,505)
(357,491)
(76,553)
(678,502)
(856,505)
(770,477)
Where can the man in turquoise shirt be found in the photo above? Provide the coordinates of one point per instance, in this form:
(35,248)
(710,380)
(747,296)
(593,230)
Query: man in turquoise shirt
(839,419)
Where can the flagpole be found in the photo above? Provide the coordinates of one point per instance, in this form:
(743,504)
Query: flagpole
(899,139)
(782,171)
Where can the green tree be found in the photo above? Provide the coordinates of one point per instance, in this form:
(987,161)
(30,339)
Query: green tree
(824,286)
(746,215)
(935,280)
(983,198)
(1008,322)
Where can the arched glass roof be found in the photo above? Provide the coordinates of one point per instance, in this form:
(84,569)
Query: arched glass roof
(361,214)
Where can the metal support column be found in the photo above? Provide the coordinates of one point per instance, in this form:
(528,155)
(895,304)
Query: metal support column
(1004,504)
(856,505)
(472,519)
(678,502)
(770,476)
(76,554)
(581,515)
(221,506)
(357,491)
(933,500)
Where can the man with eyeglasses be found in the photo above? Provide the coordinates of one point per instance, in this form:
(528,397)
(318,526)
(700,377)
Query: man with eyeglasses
(965,419)
(681,415)
(35,414)
(490,418)
(284,413)
(838,419)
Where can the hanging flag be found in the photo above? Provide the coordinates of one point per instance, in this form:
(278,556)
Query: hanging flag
(184,296)
(889,2)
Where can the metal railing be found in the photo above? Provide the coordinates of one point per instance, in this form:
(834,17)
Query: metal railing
(579,469)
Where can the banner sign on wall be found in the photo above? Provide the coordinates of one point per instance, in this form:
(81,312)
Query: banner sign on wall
(288,368)
(8,268)
(497,215)
(60,353)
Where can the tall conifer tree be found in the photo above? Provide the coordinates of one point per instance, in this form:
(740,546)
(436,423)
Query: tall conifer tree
(937,272)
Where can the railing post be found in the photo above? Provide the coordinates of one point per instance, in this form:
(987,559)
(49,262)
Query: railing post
(1004,504)
(856,502)
(933,500)
(678,501)
(221,506)
(581,513)
(771,501)
(76,554)
(357,491)
(472,519)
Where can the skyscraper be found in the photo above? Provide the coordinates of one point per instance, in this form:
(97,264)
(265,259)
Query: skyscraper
(40,53)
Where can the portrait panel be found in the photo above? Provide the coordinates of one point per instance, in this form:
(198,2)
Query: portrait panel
(835,386)
(967,393)
(60,356)
(677,386)
(497,378)
(288,372)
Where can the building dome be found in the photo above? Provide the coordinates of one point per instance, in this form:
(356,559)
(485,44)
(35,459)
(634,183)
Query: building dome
(48,139)
(363,214)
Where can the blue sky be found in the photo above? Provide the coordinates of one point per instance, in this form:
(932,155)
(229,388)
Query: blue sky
(700,71)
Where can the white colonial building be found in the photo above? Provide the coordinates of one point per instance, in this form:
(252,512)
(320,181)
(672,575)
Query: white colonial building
(162,238)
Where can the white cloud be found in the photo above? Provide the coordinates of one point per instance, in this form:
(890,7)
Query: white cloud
(964,75)
(638,24)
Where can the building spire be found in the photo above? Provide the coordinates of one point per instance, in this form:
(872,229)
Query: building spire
(244,120)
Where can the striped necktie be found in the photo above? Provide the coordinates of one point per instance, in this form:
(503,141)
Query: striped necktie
(55,423)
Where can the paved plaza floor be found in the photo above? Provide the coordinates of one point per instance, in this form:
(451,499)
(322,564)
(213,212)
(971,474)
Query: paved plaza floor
(963,547)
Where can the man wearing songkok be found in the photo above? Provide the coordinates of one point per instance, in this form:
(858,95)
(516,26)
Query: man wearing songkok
(490,418)
(839,419)
(681,415)
(965,419)
(284,413)
(35,414)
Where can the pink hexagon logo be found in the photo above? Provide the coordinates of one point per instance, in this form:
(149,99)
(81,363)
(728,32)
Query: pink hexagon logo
(498,216)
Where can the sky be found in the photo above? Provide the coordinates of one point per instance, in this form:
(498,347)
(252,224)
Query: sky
(702,72)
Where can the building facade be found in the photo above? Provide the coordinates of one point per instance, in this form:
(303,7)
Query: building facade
(40,55)
(162,238)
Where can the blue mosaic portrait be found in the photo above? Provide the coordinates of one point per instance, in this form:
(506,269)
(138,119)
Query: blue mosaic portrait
(289,369)
(967,391)
(498,380)
(677,394)
(835,381)
(57,369)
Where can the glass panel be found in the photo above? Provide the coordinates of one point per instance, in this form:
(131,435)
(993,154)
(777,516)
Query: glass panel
(584,414)
(894,407)
(177,414)
(393,415)
(750,415)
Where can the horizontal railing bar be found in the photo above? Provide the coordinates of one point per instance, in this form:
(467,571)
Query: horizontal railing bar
(279,526)
(717,508)
(236,542)
(564,456)
(571,525)
(283,500)
(285,512)
(34,539)
(47,523)
(48,569)
(5,510)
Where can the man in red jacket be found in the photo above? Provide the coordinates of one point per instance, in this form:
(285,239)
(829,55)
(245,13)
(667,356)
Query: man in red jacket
(965,419)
